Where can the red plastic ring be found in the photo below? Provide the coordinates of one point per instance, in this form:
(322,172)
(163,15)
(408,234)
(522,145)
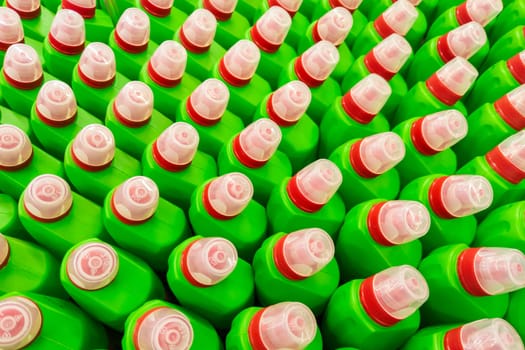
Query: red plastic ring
(155,10)
(124,45)
(467,273)
(298,198)
(382,28)
(501,165)
(436,200)
(372,222)
(373,66)
(303,75)
(85,12)
(209,208)
(509,113)
(372,306)
(219,15)
(185,269)
(165,164)
(462,14)
(230,78)
(517,68)
(357,162)
(441,91)
(280,261)
(63,48)
(355,111)
(24,14)
(87,167)
(54,123)
(274,116)
(261,42)
(94,83)
(159,79)
(419,142)
(444,50)
(24,86)
(188,45)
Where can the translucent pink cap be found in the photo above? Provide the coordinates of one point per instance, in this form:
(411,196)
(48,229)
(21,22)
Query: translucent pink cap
(319,181)
(224,6)
(320,60)
(371,93)
(513,149)
(258,141)
(134,102)
(94,146)
(483,11)
(400,16)
(290,101)
(287,325)
(466,40)
(335,25)
(517,96)
(199,28)
(273,25)
(292,6)
(133,27)
(209,99)
(25,6)
(229,194)
(20,322)
(92,265)
(136,199)
(169,60)
(211,260)
(381,152)
(164,328)
(22,64)
(15,147)
(178,144)
(48,197)
(68,28)
(403,221)
(56,102)
(444,129)
(11,29)
(457,75)
(392,52)
(464,195)
(350,4)
(242,59)
(489,334)
(97,62)
(4,251)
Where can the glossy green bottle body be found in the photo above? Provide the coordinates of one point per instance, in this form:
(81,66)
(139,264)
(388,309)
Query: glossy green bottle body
(178,186)
(416,164)
(64,325)
(515,311)
(218,303)
(285,216)
(115,8)
(264,178)
(204,335)
(247,8)
(507,46)
(201,65)
(10,224)
(356,188)
(246,230)
(163,28)
(444,5)
(30,268)
(112,304)
(448,300)
(129,64)
(231,30)
(271,63)
(360,256)
(8,116)
(299,141)
(442,231)
(429,338)
(425,62)
(238,338)
(57,63)
(20,100)
(511,16)
(98,27)
(346,323)
(151,240)
(367,39)
(95,185)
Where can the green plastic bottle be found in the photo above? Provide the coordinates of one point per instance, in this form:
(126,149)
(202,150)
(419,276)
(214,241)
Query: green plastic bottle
(298,266)
(132,119)
(482,335)
(505,47)
(26,267)
(495,121)
(367,165)
(473,282)
(175,164)
(231,25)
(223,207)
(313,68)
(451,201)
(56,119)
(463,41)
(13,31)
(93,164)
(99,278)
(287,325)
(509,18)
(442,91)
(165,74)
(376,313)
(58,218)
(130,41)
(386,59)
(287,106)
(514,312)
(308,199)
(356,114)
(444,5)
(254,153)
(10,224)
(206,276)
(36,18)
(98,22)
(427,141)
(377,234)
(237,70)
(165,19)
(37,322)
(95,78)
(158,324)
(8,116)
(142,223)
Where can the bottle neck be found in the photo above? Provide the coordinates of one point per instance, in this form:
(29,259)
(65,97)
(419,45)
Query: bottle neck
(299,199)
(418,140)
(509,113)
(467,273)
(372,306)
(462,15)
(356,160)
(504,167)
(374,66)
(440,91)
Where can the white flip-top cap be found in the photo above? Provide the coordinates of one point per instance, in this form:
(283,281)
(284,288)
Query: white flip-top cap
(290,101)
(136,200)
(464,195)
(273,25)
(403,221)
(178,144)
(457,75)
(392,52)
(292,6)
(56,102)
(134,102)
(68,31)
(444,129)
(169,60)
(350,5)
(517,96)
(15,146)
(287,325)
(335,25)
(400,16)
(229,194)
(22,64)
(319,181)
(371,93)
(199,28)
(211,260)
(513,149)
(92,265)
(209,100)
(24,6)
(11,29)
(242,59)
(483,11)
(466,40)
(48,197)
(20,322)
(4,251)
(259,141)
(320,60)
(133,27)
(381,152)
(489,334)
(94,146)
(164,328)
(97,63)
